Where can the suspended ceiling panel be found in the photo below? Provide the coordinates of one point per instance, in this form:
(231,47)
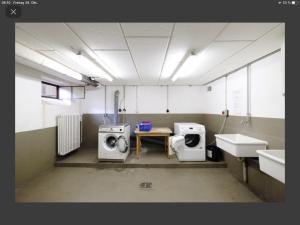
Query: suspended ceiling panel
(100,35)
(120,62)
(265,45)
(245,31)
(56,35)
(29,41)
(148,55)
(147,29)
(61,38)
(188,36)
(195,35)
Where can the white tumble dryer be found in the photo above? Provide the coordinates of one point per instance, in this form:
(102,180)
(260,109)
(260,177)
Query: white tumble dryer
(113,142)
(189,142)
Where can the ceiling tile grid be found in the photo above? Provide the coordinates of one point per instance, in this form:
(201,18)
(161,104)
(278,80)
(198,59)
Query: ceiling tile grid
(147,29)
(100,35)
(121,62)
(148,53)
(245,31)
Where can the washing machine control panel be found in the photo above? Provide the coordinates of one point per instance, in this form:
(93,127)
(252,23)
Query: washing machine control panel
(191,129)
(111,129)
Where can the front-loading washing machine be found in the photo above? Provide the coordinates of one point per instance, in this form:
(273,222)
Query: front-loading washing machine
(189,142)
(113,142)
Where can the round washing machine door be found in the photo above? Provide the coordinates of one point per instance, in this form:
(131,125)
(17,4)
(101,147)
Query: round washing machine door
(111,141)
(192,140)
(117,143)
(122,144)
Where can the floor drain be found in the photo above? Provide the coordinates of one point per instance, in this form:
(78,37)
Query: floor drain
(146,185)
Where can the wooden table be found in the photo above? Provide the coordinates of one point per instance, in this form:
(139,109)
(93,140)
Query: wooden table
(154,132)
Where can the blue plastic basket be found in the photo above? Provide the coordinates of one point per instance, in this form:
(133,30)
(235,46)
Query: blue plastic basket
(145,126)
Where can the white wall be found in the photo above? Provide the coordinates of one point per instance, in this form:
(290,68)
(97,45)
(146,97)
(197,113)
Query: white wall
(146,99)
(94,101)
(214,100)
(28,107)
(31,110)
(267,87)
(186,99)
(237,93)
(266,90)
(130,99)
(52,109)
(151,99)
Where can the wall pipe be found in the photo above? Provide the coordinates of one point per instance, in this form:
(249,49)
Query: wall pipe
(244,165)
(116,107)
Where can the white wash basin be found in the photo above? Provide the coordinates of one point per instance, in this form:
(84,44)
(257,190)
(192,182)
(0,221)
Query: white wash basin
(240,145)
(272,162)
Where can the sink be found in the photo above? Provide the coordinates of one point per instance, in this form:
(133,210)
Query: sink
(272,162)
(240,145)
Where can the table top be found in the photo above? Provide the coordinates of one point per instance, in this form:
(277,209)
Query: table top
(155,130)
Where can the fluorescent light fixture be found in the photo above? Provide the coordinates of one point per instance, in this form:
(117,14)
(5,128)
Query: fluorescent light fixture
(171,63)
(188,64)
(61,69)
(29,54)
(40,59)
(90,65)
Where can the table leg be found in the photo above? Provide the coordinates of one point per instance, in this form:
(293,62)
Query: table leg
(167,137)
(166,149)
(140,144)
(137,146)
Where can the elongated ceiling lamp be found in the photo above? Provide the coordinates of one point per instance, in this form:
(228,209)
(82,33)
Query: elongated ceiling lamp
(187,65)
(92,66)
(31,55)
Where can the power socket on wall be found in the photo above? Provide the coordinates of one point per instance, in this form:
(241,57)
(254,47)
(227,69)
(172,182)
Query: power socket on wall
(225,112)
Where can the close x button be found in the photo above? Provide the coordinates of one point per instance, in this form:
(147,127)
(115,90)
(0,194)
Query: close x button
(13,11)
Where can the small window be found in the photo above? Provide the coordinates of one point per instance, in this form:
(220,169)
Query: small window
(49,90)
(71,92)
(62,92)
(65,93)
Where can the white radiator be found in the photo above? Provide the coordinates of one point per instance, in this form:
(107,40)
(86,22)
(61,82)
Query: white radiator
(69,133)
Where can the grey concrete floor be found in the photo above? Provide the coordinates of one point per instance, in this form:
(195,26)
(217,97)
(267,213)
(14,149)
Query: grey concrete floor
(63,184)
